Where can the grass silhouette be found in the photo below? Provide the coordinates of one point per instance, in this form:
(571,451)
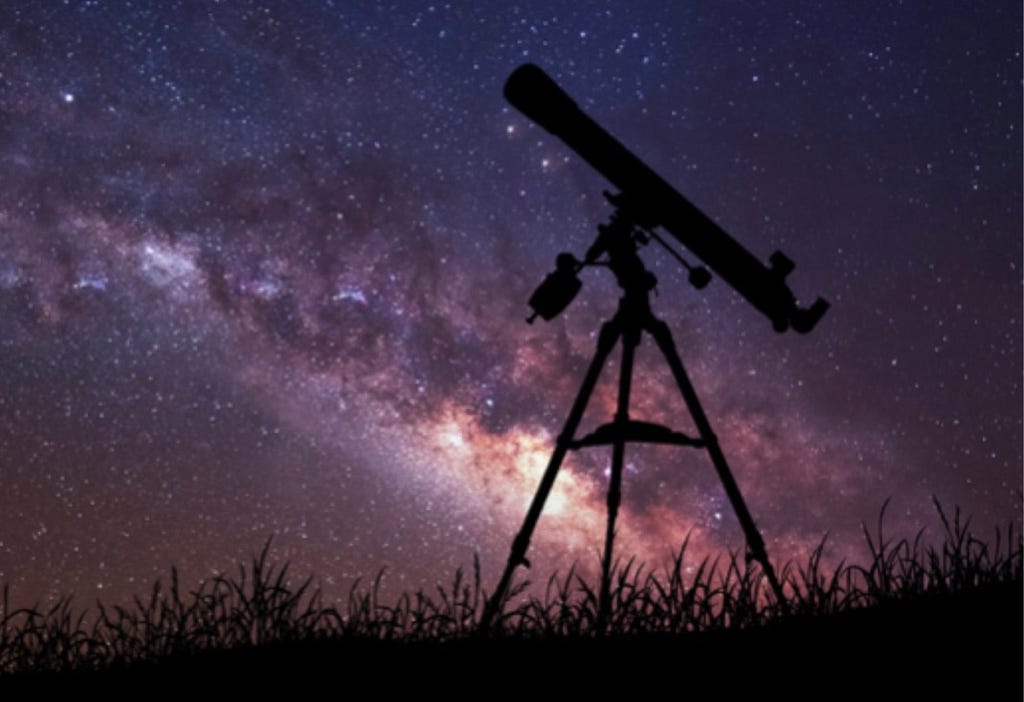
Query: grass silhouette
(261,608)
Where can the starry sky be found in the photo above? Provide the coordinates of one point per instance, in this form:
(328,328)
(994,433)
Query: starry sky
(264,271)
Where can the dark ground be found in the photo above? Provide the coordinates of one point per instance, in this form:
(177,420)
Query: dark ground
(969,645)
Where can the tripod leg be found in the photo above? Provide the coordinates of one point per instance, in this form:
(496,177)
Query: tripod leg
(629,343)
(609,334)
(755,544)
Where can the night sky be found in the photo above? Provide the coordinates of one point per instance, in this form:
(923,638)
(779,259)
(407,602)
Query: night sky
(264,271)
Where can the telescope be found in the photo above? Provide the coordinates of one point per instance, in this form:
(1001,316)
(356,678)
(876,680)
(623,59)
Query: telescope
(644,203)
(651,202)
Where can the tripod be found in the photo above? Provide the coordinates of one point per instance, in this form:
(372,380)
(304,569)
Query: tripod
(634,317)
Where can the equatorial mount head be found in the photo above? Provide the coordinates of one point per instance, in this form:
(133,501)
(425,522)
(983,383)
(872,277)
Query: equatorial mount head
(615,247)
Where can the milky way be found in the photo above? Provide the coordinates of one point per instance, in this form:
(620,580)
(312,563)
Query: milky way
(263,273)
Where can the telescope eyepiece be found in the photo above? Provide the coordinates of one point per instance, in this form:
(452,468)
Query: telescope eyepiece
(804,320)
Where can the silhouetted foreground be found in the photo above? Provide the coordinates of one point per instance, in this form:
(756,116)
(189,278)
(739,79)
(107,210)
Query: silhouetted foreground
(915,620)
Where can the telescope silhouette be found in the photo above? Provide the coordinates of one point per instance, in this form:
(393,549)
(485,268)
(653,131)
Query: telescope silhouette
(652,202)
(644,202)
